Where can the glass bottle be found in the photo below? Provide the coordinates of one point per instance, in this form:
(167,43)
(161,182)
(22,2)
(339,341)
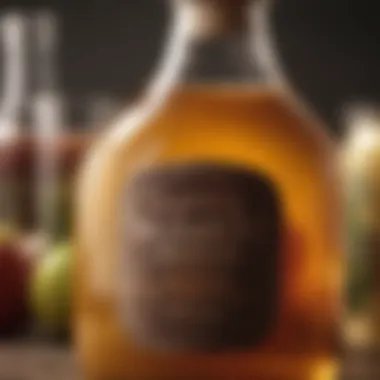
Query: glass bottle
(361,163)
(208,223)
(58,148)
(48,122)
(15,172)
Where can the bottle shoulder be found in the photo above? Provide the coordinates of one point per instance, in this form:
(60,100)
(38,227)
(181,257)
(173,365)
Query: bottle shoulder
(255,114)
(224,122)
(256,108)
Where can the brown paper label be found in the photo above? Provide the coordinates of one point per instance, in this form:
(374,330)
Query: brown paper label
(201,258)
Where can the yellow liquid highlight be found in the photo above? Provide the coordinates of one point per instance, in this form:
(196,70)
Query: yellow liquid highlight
(255,129)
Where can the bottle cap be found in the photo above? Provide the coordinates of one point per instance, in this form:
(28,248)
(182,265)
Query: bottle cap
(214,17)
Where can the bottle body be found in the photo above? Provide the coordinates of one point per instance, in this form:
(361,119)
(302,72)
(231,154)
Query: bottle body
(239,138)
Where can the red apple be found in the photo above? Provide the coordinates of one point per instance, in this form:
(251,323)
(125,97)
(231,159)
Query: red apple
(14,281)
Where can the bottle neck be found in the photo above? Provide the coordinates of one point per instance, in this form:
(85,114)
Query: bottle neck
(224,59)
(197,50)
(46,28)
(220,49)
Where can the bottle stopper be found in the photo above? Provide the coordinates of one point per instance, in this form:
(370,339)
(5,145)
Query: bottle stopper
(215,17)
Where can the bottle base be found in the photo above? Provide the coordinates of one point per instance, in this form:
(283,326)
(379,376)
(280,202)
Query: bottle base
(104,353)
(317,370)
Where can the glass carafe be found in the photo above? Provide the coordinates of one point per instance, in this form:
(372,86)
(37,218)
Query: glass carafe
(208,223)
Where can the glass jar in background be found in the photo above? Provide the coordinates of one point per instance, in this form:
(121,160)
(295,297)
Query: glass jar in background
(361,164)
(35,114)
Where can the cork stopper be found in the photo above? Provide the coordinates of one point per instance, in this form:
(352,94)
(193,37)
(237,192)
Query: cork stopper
(215,17)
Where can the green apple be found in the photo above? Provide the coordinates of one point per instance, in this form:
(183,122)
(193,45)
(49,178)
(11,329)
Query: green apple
(51,289)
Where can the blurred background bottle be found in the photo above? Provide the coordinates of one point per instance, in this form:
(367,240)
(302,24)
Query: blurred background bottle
(15,165)
(48,121)
(361,163)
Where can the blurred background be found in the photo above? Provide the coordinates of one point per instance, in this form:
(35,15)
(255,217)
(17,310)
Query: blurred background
(329,49)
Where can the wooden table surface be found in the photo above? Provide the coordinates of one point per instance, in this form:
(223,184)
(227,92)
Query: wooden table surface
(50,361)
(37,361)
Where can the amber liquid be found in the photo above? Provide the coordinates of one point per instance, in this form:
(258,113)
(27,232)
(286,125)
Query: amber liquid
(254,129)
